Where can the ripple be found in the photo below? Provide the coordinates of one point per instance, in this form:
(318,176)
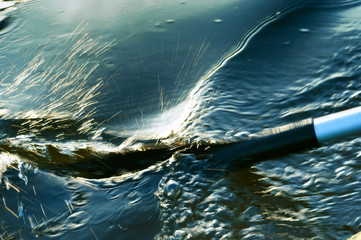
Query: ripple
(335,3)
(55,227)
(317,189)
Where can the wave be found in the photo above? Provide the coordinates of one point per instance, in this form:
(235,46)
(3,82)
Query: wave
(57,128)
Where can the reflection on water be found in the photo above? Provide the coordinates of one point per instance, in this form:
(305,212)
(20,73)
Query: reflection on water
(98,97)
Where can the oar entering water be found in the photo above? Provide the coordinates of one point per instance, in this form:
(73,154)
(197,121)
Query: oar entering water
(267,144)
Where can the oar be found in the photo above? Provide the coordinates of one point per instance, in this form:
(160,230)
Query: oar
(294,137)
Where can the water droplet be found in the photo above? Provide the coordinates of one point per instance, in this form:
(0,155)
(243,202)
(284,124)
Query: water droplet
(304,30)
(286,43)
(21,174)
(32,225)
(179,234)
(21,209)
(7,184)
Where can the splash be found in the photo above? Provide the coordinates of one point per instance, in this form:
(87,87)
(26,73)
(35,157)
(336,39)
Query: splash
(60,87)
(53,88)
(6,161)
(184,123)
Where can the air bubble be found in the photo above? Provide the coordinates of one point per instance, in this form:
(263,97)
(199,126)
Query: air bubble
(172,188)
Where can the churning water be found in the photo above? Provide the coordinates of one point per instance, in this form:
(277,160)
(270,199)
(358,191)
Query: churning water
(98,99)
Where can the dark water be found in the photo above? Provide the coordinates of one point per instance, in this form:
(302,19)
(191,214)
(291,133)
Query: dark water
(96,96)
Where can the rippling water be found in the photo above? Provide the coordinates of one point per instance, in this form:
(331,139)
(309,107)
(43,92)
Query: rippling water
(97,100)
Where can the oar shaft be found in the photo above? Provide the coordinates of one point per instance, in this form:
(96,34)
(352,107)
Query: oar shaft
(295,137)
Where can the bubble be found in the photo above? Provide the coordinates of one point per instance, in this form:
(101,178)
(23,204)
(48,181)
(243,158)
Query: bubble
(172,187)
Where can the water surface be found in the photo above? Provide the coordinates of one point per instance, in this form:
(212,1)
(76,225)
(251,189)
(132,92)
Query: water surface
(95,96)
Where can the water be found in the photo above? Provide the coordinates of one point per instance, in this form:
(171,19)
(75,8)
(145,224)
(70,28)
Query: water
(96,97)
